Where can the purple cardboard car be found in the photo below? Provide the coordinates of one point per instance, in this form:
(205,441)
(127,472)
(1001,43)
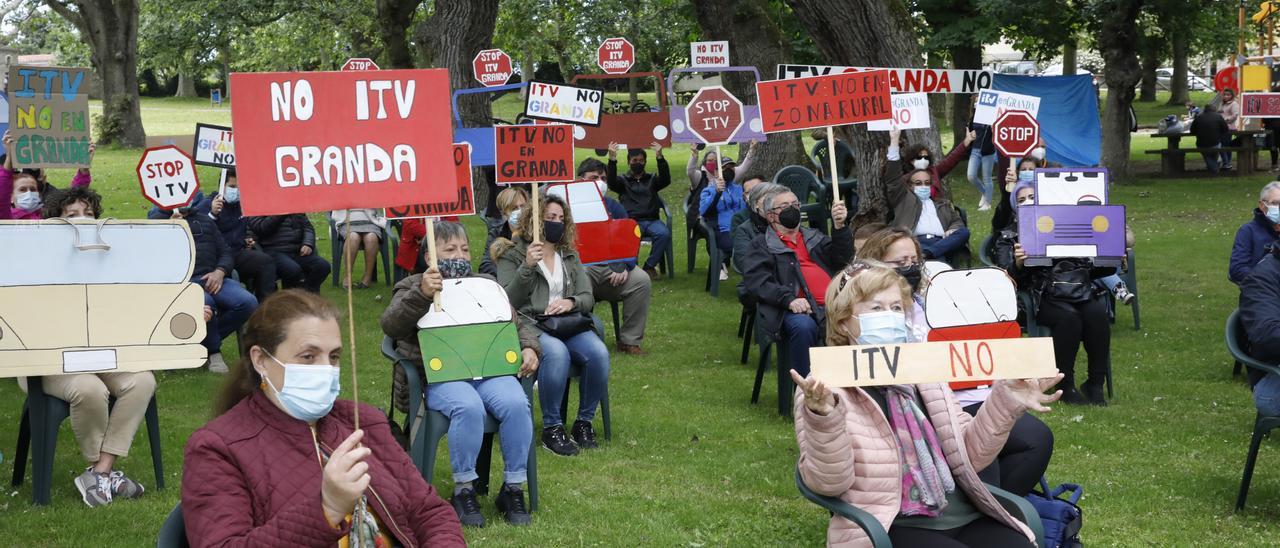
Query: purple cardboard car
(751,129)
(1049,232)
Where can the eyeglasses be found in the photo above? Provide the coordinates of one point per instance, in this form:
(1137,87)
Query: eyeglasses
(924,182)
(785,206)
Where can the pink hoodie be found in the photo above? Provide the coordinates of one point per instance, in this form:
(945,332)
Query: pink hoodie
(8,211)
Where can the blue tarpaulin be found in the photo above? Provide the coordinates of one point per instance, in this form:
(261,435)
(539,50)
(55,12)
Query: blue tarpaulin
(1068,116)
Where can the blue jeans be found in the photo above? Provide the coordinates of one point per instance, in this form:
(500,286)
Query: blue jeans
(466,403)
(1226,156)
(1111,282)
(801,333)
(939,248)
(1266,395)
(1211,159)
(981,180)
(231,308)
(658,232)
(588,352)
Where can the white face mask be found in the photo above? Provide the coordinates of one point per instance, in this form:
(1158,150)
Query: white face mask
(604,188)
(233,195)
(886,327)
(309,390)
(514,218)
(920,163)
(1037,153)
(28,201)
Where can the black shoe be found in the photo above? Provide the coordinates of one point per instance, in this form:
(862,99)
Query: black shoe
(584,435)
(1072,396)
(468,508)
(510,502)
(1093,394)
(553,438)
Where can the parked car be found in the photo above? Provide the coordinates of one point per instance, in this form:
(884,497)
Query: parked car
(1056,70)
(1164,76)
(1017,67)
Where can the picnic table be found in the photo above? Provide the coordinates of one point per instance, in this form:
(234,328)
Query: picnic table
(1173,159)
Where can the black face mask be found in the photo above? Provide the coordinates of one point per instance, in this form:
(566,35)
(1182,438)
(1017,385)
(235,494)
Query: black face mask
(637,168)
(789,218)
(912,274)
(552,231)
(727,174)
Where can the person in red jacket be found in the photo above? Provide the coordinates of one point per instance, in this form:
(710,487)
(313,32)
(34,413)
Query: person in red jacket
(284,465)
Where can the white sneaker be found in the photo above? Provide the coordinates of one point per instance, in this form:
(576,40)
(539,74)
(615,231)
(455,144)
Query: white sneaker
(724,274)
(216,364)
(983,204)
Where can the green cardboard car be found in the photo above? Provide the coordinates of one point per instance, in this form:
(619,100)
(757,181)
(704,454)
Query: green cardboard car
(471,335)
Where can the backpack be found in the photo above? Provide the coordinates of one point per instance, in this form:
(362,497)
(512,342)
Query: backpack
(1062,519)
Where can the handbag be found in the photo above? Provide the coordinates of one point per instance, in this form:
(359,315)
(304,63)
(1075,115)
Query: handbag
(564,326)
(1069,282)
(1062,519)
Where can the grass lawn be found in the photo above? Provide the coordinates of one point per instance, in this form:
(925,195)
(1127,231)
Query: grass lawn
(693,464)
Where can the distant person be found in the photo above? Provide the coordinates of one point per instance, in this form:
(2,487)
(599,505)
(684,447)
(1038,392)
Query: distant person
(1210,131)
(638,192)
(22,194)
(982,159)
(919,157)
(291,241)
(934,221)
(360,230)
(720,200)
(257,269)
(1230,111)
(700,176)
(1255,238)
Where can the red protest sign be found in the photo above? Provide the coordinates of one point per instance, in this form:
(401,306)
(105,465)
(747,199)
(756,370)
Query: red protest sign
(616,56)
(360,63)
(167,177)
(533,153)
(463,202)
(492,67)
(1260,105)
(714,115)
(822,101)
(321,141)
(1016,132)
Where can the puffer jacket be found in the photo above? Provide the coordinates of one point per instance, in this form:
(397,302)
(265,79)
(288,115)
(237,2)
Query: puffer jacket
(907,207)
(527,289)
(252,478)
(283,233)
(400,322)
(852,453)
(1252,240)
(1259,293)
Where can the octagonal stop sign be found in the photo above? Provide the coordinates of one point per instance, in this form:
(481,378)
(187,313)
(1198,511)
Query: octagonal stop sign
(714,115)
(167,177)
(1016,133)
(492,67)
(359,63)
(616,56)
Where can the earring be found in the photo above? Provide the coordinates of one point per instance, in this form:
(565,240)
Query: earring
(263,385)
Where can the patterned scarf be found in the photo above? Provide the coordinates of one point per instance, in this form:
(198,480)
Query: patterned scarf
(926,478)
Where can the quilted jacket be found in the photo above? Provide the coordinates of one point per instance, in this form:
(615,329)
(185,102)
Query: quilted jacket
(851,453)
(251,478)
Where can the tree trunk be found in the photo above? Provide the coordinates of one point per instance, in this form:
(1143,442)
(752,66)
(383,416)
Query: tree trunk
(1178,92)
(868,33)
(1117,40)
(111,29)
(394,18)
(963,57)
(757,41)
(186,84)
(1070,57)
(1150,62)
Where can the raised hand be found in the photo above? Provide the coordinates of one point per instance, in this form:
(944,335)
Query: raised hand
(1030,392)
(817,397)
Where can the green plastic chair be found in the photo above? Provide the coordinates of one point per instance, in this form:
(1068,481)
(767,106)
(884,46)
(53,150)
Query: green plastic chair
(785,386)
(1020,508)
(805,185)
(1262,424)
(173,534)
(388,241)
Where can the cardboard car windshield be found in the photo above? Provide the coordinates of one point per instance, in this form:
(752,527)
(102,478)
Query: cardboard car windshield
(1071,186)
(98,296)
(969,297)
(471,335)
(600,238)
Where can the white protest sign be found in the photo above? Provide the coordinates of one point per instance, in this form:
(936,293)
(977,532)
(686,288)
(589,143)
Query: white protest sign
(709,54)
(214,146)
(991,104)
(563,103)
(904,80)
(910,111)
(931,362)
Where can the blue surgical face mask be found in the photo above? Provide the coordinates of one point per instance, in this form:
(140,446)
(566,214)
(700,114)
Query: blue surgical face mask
(309,390)
(233,195)
(28,201)
(514,218)
(922,192)
(1026,176)
(886,327)
(1273,214)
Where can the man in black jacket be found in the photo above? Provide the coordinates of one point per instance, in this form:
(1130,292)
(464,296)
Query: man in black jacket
(638,193)
(787,271)
(1209,128)
(291,241)
(257,269)
(1259,293)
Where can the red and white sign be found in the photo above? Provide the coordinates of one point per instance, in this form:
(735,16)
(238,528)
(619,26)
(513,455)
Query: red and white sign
(492,67)
(320,141)
(822,101)
(714,115)
(904,80)
(1260,105)
(360,63)
(709,54)
(463,202)
(167,176)
(1016,133)
(616,56)
(540,153)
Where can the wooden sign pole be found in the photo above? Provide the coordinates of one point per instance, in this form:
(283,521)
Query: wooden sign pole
(536,221)
(831,153)
(719,164)
(351,329)
(431,254)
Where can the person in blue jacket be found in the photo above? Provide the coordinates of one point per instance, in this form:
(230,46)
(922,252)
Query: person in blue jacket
(1256,236)
(1260,317)
(717,204)
(257,269)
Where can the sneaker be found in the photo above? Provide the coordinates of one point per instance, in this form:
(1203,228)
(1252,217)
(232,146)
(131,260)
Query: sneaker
(1072,396)
(468,508)
(553,438)
(652,272)
(724,273)
(984,204)
(510,502)
(584,435)
(123,487)
(216,364)
(95,488)
(1093,394)
(1123,295)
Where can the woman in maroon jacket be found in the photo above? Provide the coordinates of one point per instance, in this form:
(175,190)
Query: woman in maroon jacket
(283,464)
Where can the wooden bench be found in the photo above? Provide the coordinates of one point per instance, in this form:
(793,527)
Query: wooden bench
(1173,161)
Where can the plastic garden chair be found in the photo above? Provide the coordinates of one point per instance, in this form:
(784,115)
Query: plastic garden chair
(387,241)
(173,534)
(785,388)
(1262,424)
(804,184)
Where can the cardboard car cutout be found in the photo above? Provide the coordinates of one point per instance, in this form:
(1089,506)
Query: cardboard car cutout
(1071,186)
(973,304)
(471,335)
(601,239)
(481,138)
(752,128)
(97,296)
(1049,232)
(634,126)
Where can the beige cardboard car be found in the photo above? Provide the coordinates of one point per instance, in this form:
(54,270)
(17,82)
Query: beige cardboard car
(92,296)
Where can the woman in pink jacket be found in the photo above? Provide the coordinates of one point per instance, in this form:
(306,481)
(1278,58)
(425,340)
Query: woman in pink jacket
(905,453)
(22,194)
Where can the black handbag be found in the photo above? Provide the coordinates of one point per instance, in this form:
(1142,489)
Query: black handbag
(1069,282)
(564,326)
